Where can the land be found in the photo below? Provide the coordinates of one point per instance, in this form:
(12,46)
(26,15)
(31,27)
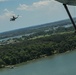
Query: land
(48,27)
(43,40)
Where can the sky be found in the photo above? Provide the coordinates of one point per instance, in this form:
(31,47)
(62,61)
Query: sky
(31,13)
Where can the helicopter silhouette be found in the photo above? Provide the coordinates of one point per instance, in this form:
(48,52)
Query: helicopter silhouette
(13,18)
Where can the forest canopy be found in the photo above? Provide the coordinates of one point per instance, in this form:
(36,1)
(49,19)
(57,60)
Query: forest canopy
(29,49)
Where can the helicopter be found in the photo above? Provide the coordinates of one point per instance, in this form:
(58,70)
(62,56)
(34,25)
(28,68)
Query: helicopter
(14,18)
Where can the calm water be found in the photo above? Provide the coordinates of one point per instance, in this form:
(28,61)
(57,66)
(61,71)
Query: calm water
(62,64)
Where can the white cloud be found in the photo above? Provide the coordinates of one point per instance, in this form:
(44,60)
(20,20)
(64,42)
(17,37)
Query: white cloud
(40,3)
(7,14)
(35,5)
(23,7)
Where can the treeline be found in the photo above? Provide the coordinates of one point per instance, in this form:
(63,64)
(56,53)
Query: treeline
(26,50)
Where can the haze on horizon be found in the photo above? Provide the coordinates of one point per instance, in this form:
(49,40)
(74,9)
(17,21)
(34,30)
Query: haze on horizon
(32,13)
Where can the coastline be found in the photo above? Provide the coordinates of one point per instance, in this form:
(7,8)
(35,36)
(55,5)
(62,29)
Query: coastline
(27,62)
(29,50)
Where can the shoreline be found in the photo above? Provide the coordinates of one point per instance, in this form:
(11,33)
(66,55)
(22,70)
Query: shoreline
(29,61)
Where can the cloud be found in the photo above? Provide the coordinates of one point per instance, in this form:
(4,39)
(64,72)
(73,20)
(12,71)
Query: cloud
(23,7)
(35,5)
(7,14)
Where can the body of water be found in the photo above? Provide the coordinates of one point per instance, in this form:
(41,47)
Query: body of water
(62,64)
